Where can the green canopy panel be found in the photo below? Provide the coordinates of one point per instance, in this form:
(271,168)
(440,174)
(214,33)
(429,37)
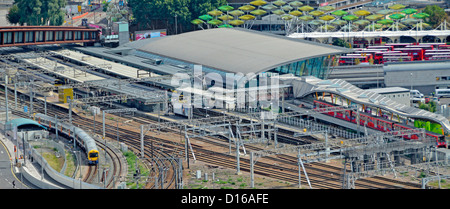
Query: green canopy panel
(316,13)
(339,13)
(226,8)
(339,22)
(384,12)
(306,18)
(362,13)
(316,22)
(326,8)
(279,12)
(296,4)
(279,2)
(385,22)
(421,15)
(396,16)
(287,8)
(247,8)
(214,22)
(258,12)
(225,26)
(327,18)
(397,6)
(236,13)
(247,17)
(350,17)
(374,17)
(295,13)
(306,8)
(197,22)
(410,21)
(269,7)
(286,17)
(215,13)
(361,22)
(409,11)
(206,17)
(258,3)
(226,17)
(236,22)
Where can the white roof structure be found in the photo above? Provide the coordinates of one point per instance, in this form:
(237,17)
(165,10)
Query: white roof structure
(309,85)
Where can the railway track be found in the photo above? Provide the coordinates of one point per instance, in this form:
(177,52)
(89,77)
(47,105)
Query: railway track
(229,162)
(320,177)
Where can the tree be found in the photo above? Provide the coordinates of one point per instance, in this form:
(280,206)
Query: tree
(437,15)
(155,14)
(13,15)
(37,12)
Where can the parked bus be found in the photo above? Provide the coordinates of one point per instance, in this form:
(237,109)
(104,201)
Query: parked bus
(423,46)
(429,56)
(415,53)
(442,93)
(378,58)
(398,45)
(351,60)
(390,48)
(397,58)
(440,57)
(444,46)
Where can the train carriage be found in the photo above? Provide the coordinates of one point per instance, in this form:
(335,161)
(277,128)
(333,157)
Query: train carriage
(86,142)
(380,124)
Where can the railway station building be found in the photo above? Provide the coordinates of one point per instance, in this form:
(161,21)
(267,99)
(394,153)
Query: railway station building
(220,66)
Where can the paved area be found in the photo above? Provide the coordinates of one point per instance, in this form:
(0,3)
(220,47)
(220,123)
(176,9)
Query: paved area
(7,174)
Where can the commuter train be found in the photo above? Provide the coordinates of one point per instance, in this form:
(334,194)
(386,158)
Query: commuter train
(86,142)
(378,123)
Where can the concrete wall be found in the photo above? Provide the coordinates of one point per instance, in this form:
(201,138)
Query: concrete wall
(424,81)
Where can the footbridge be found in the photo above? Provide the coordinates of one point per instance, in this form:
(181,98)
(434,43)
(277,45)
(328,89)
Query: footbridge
(343,93)
(418,35)
(39,35)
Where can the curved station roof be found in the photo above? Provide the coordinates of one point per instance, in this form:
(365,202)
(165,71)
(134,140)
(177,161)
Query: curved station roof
(23,122)
(309,85)
(237,50)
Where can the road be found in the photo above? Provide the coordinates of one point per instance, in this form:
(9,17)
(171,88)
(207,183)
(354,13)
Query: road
(6,173)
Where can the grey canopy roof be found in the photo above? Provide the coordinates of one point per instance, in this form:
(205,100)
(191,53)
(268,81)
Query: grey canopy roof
(237,50)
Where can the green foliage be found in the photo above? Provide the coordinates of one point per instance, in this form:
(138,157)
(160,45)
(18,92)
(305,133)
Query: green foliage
(341,43)
(431,106)
(13,15)
(157,14)
(37,12)
(437,15)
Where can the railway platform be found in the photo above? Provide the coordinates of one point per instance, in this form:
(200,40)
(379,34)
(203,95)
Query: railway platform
(29,169)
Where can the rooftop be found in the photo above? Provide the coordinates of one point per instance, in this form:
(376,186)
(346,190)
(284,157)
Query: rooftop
(237,50)
(23,122)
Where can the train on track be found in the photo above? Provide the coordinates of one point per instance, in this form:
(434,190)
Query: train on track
(86,142)
(379,123)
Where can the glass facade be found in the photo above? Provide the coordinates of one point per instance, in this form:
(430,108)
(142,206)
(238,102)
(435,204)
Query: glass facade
(317,67)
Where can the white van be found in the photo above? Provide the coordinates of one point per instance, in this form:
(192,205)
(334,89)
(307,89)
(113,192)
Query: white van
(415,94)
(442,93)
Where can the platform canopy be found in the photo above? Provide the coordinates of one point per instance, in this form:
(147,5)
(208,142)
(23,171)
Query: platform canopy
(237,50)
(24,123)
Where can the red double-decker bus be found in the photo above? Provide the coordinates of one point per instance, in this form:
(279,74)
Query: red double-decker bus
(398,45)
(351,60)
(423,46)
(436,56)
(378,58)
(398,57)
(390,48)
(444,46)
(415,53)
